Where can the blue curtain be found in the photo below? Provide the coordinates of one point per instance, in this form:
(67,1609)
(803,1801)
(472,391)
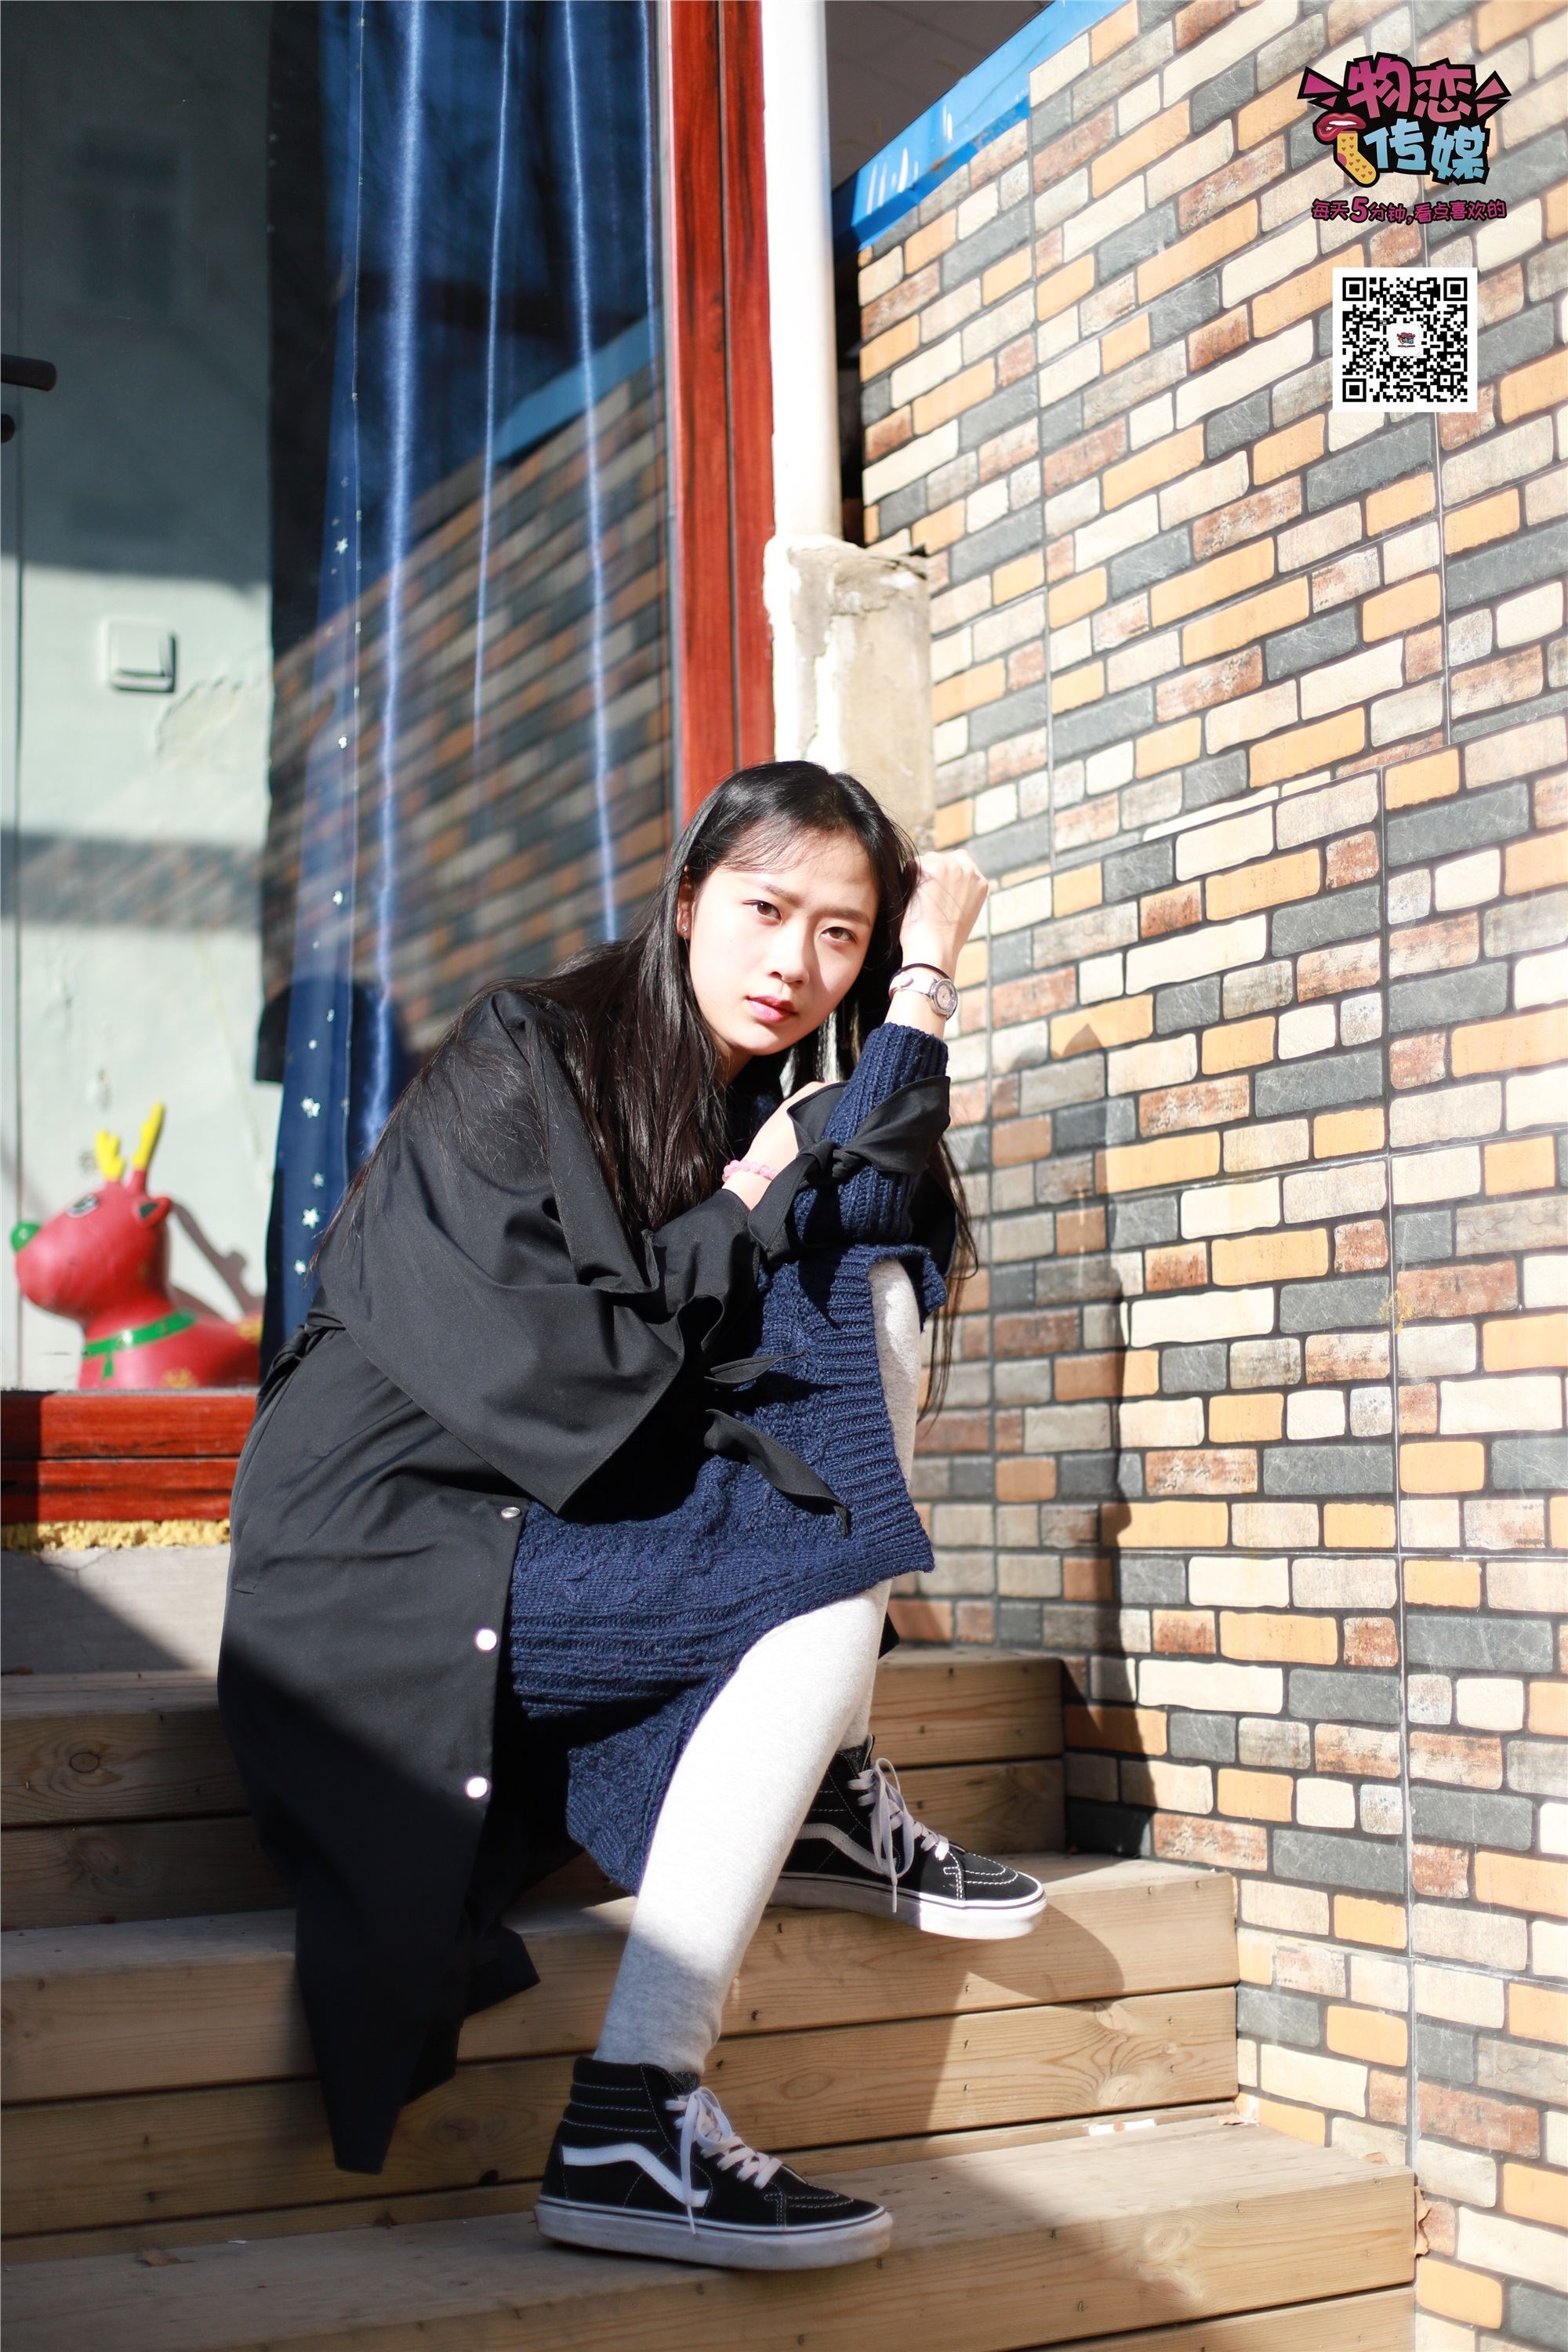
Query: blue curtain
(487,211)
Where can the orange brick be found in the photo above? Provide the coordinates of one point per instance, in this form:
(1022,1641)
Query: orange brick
(1474,2300)
(1239,1045)
(1537,2013)
(1256,1417)
(1401,502)
(1189,254)
(1536,2195)
(1271,1258)
(1401,608)
(1521,1040)
(1449,1467)
(1272,883)
(1003,275)
(1296,753)
(1282,452)
(1256,1796)
(1169,1159)
(970,688)
(1442,1583)
(1122,1020)
(1359,1526)
(1079,1230)
(942,529)
(1340,1134)
(953,824)
(1504,20)
(1080,887)
(1123,344)
(1168,747)
(1359,1921)
(1113,33)
(1304,1641)
(1016,1141)
(1245,623)
(1294,297)
(1020,1479)
(882,350)
(1535,865)
(1145,145)
(1557,210)
(1541,385)
(1480,522)
(928,242)
(1301,2123)
(1162,461)
(1557,1522)
(1526,1343)
(1413,780)
(1549,1709)
(1078,687)
(1164,1526)
(1064,287)
(1374,2034)
(1126,1731)
(1267,114)
(960,391)
(1072,599)
(1518,1882)
(1211,583)
(1528,1165)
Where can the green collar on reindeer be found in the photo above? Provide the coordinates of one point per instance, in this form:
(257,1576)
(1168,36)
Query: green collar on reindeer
(141,1335)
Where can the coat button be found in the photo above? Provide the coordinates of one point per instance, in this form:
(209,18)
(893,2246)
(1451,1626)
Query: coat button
(478,1787)
(486,1638)
(511,1510)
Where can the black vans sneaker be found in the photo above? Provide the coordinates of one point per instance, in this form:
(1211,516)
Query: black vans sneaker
(861,1849)
(644,2163)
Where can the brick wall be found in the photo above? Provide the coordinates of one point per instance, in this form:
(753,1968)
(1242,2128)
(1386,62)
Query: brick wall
(1256,714)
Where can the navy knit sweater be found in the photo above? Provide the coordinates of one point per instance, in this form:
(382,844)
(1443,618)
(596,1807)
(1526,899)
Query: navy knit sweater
(629,1612)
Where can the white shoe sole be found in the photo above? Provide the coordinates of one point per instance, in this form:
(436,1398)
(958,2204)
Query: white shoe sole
(609,2230)
(933,1915)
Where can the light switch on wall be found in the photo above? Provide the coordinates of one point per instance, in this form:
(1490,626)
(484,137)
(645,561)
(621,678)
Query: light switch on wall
(138,657)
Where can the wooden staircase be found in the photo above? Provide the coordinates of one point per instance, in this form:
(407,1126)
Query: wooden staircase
(1050,2121)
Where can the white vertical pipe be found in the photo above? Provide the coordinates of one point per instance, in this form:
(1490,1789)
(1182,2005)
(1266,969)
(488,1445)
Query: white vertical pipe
(807,497)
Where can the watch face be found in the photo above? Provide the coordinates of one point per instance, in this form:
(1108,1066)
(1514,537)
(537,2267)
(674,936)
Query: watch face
(944,996)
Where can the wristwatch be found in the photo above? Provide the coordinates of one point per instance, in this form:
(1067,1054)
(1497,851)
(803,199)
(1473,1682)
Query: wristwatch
(926,980)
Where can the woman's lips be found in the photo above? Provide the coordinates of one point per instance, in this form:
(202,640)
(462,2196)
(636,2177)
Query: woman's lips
(769,1009)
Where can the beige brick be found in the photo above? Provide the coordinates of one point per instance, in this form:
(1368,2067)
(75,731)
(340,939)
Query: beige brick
(1207,1684)
(1317,2082)
(1197,1315)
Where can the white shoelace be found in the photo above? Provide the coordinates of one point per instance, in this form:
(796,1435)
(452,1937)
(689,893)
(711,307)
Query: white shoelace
(705,2127)
(892,1824)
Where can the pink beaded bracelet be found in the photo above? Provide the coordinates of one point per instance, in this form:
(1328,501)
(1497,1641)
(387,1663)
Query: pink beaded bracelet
(750,1167)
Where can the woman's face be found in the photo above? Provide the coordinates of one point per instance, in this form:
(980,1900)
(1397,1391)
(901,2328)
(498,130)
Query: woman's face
(774,947)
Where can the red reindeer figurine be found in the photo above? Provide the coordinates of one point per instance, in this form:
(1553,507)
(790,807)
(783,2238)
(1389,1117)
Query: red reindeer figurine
(105,1260)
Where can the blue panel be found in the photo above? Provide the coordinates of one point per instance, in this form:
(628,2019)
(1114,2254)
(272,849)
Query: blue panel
(974,111)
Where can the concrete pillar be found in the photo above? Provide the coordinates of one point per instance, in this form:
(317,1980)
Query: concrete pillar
(800,267)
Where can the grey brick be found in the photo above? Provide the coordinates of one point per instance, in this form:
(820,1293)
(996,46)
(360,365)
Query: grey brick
(1529,1465)
(971,1481)
(1350,1302)
(1327,1861)
(1471,1816)
(1173,316)
(1331,1470)
(1208,782)
(1011,955)
(1062,1281)
(1124,1830)
(1471,1643)
(1265,1363)
(1051,120)
(1135,1225)
(1080,1126)
(1288,1087)
(902,507)
(1449,825)
(1028,843)
(983,551)
(877,399)
(1156,559)
(954,480)
(1385,456)
(1437,998)
(1291,651)
(1099,1477)
(1018,1625)
(1270,1745)
(1519,925)
(1423,1236)
(1076,1625)
(1289,2017)
(1061,423)
(1528,335)
(1538,1767)
(1290,50)
(1222,94)
(1012,1286)
(1130,872)
(1190,1005)
(1259,988)
(1444,2053)
(1124,248)
(1188,1372)
(1209,1739)
(1536,2315)
(1321,922)
(1515,562)
(1237,426)
(1114,718)
(1147,1579)
(1019,713)
(1012,405)
(1000,236)
(1321,1694)
(1120,70)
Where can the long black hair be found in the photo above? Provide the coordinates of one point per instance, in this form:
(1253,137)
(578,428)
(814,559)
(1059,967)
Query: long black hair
(640,1058)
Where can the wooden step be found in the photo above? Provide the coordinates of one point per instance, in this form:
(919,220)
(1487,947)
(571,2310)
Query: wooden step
(120,1800)
(1054,2245)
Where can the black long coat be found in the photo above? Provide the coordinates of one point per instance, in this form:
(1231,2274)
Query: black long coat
(486,1333)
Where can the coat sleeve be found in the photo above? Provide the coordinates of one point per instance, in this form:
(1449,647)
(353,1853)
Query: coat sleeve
(485,1273)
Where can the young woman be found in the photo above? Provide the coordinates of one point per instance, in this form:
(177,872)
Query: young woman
(599,1288)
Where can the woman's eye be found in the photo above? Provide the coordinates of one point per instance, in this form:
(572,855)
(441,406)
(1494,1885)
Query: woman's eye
(763,906)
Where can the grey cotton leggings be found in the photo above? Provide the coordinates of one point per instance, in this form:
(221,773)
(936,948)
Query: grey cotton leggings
(748,1775)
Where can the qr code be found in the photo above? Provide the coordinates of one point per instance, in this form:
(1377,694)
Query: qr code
(1404,338)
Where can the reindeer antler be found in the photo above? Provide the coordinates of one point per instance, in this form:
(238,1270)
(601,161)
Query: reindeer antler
(151,1129)
(107,1152)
